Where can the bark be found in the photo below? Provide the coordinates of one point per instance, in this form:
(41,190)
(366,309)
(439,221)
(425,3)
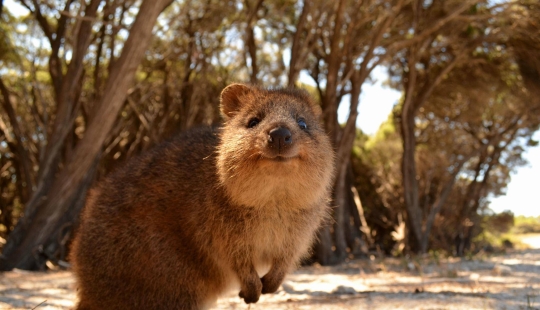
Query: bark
(357,225)
(348,134)
(6,202)
(186,87)
(65,115)
(436,208)
(37,230)
(342,159)
(323,248)
(24,163)
(352,234)
(410,183)
(361,217)
(296,62)
(252,51)
(471,202)
(108,11)
(329,100)
(250,39)
(426,33)
(344,138)
(414,99)
(324,253)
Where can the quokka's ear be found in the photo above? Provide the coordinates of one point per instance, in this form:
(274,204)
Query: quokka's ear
(230,98)
(317,110)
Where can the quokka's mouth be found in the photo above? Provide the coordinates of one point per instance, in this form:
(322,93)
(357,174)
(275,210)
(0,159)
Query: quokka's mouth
(283,158)
(280,158)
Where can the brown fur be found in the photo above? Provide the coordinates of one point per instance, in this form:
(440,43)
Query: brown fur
(210,211)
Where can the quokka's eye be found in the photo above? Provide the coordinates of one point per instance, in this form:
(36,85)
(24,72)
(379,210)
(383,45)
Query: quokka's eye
(302,123)
(253,122)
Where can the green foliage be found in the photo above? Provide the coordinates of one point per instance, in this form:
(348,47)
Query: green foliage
(503,230)
(532,143)
(387,130)
(526,225)
(8,52)
(500,222)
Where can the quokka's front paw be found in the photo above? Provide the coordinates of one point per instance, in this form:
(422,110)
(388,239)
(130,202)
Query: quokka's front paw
(270,284)
(251,292)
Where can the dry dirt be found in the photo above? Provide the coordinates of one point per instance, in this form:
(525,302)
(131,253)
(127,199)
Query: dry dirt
(506,281)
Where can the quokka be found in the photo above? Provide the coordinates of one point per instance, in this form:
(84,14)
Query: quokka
(212,210)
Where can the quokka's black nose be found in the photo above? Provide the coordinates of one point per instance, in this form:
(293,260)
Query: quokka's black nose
(280,138)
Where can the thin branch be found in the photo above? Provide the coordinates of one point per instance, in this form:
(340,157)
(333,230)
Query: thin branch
(428,32)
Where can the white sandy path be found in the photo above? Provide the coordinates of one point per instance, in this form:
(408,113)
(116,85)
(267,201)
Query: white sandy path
(510,281)
(533,241)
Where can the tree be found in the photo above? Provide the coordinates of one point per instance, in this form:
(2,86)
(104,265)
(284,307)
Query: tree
(423,65)
(340,57)
(43,218)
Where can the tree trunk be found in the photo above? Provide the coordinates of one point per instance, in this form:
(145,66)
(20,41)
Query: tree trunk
(436,208)
(356,225)
(324,252)
(36,231)
(65,116)
(250,44)
(323,247)
(343,156)
(296,62)
(415,97)
(329,100)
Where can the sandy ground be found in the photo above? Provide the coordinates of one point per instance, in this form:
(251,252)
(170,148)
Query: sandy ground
(532,240)
(509,281)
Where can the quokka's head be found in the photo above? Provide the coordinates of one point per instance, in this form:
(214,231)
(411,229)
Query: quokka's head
(273,146)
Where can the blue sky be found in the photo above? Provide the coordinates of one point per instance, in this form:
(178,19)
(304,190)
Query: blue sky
(522,193)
